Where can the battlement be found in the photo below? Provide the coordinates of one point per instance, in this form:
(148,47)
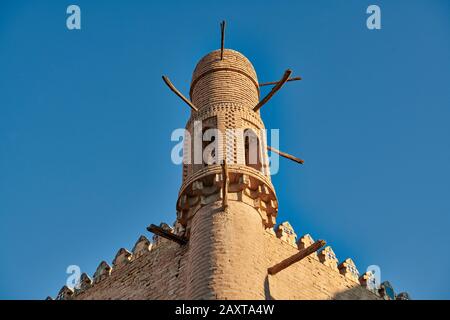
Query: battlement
(142,273)
(157,270)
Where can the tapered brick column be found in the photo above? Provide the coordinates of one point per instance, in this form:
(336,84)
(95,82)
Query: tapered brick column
(226,251)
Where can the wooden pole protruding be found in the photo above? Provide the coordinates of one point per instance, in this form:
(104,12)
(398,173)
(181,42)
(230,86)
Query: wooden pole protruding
(225,185)
(277,87)
(166,234)
(222,40)
(276,82)
(286,155)
(296,257)
(178,93)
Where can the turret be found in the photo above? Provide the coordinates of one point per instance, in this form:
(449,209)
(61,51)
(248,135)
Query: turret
(226,200)
(225,131)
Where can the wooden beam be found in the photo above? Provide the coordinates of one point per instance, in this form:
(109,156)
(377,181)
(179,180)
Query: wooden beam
(286,155)
(225,185)
(166,234)
(296,257)
(178,93)
(276,82)
(277,87)
(222,41)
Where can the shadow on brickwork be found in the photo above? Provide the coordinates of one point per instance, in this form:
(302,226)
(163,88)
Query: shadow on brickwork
(356,293)
(267,294)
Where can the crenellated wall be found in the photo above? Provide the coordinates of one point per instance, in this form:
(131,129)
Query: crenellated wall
(310,278)
(159,270)
(155,272)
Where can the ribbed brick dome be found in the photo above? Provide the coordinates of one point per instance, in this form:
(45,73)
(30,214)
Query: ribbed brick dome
(232,79)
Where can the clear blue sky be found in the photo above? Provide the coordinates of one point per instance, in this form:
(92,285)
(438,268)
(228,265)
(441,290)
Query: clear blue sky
(85,124)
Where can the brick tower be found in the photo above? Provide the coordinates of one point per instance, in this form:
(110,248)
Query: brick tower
(224,243)
(225,239)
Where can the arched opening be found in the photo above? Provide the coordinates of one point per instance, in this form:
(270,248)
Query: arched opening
(252,149)
(209,146)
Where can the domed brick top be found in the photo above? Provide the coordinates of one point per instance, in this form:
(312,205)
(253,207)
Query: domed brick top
(232,79)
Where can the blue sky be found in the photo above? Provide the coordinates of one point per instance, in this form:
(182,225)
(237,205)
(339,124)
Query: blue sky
(85,124)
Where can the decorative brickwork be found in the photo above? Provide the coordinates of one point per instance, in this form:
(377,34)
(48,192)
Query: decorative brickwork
(367,280)
(65,293)
(328,258)
(306,241)
(103,271)
(123,256)
(286,233)
(348,269)
(142,246)
(85,283)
